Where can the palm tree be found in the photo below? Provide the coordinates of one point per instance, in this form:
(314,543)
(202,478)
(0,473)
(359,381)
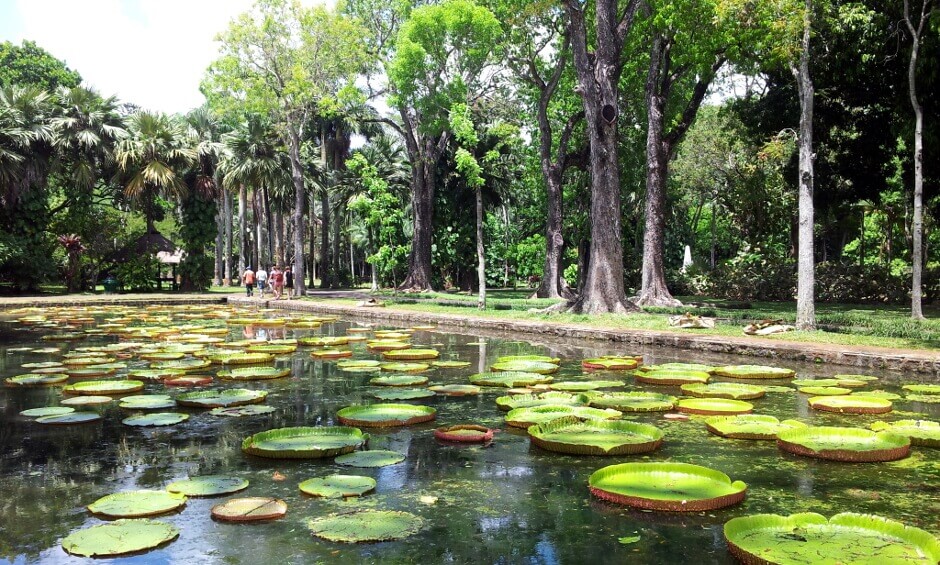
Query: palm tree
(25,141)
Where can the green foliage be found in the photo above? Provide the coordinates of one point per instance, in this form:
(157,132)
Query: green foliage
(138,273)
(198,231)
(31,65)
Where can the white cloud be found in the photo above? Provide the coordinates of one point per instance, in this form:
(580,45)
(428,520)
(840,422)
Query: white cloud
(149,52)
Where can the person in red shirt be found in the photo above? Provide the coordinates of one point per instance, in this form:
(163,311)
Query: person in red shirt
(277,282)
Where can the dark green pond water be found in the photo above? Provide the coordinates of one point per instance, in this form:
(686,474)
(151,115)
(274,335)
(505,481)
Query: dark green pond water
(508,502)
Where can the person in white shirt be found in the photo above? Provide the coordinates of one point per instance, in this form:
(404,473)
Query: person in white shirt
(262,276)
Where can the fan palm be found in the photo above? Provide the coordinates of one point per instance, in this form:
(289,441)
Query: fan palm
(25,140)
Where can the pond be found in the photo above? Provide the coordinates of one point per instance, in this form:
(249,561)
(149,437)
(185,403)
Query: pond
(506,501)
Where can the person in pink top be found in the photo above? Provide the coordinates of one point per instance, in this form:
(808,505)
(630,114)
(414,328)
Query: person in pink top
(277,282)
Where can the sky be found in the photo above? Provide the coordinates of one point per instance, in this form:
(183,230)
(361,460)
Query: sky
(152,53)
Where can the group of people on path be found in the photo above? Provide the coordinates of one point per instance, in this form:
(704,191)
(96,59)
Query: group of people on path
(279,282)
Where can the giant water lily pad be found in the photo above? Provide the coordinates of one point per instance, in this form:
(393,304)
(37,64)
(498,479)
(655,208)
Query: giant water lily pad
(137,503)
(850,404)
(455,390)
(676,487)
(919,389)
(188,380)
(754,372)
(610,363)
(825,390)
(370,458)
(844,444)
(186,365)
(733,391)
(450,364)
(119,538)
(404,394)
(595,437)
(338,486)
(208,485)
(526,366)
(324,341)
(225,359)
(366,526)
(359,365)
(411,354)
(219,398)
(388,345)
(539,358)
(713,406)
(272,349)
(162,355)
(399,380)
(304,442)
(89,372)
(104,387)
(464,433)
(90,400)
(634,401)
(525,417)
(583,386)
(69,419)
(509,379)
(508,403)
(845,538)
(404,367)
(926,398)
(878,394)
(155,419)
(250,509)
(147,402)
(253,373)
(239,411)
(924,433)
(697,367)
(47,411)
(750,426)
(672,378)
(383,415)
(155,374)
(36,380)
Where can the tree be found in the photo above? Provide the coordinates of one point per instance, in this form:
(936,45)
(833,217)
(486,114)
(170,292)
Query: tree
(598,73)
(31,65)
(915,27)
(805,280)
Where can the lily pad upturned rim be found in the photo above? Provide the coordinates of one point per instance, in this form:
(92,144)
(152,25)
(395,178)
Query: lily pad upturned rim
(850,404)
(509,379)
(636,401)
(754,372)
(637,437)
(749,426)
(732,391)
(727,492)
(364,415)
(526,366)
(529,416)
(208,485)
(923,433)
(257,508)
(799,440)
(151,419)
(738,531)
(36,380)
(455,390)
(713,406)
(449,433)
(672,378)
(611,363)
(222,398)
(253,373)
(137,503)
(399,380)
(370,458)
(120,537)
(254,444)
(366,526)
(411,354)
(337,486)
(104,388)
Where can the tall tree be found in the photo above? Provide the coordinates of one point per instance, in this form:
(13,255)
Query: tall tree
(31,65)
(805,279)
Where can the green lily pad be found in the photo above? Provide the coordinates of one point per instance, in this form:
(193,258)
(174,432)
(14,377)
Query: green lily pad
(147,402)
(814,382)
(220,398)
(674,487)
(610,363)
(155,419)
(683,367)
(634,401)
(272,349)
(455,390)
(526,366)
(672,378)
(366,526)
(754,372)
(253,373)
(509,379)
(404,394)
(208,485)
(359,365)
(844,444)
(405,367)
(924,433)
(388,344)
(845,538)
(712,406)
(47,411)
(304,442)
(749,426)
(450,364)
(865,378)
(37,380)
(399,380)
(583,386)
(464,433)
(507,403)
(137,503)
(919,389)
(324,341)
(733,391)
(249,509)
(185,365)
(338,486)
(90,400)
(825,390)
(104,387)
(370,458)
(69,419)
(411,354)
(926,398)
(539,358)
(119,538)
(595,437)
(525,417)
(42,365)
(850,404)
(239,411)
(240,358)
(383,415)
(155,374)
(878,394)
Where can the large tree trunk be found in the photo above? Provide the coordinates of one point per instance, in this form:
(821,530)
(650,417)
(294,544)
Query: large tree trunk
(805,305)
(227,245)
(268,224)
(243,251)
(300,197)
(326,268)
(219,243)
(422,189)
(313,242)
(481,256)
(598,76)
(279,241)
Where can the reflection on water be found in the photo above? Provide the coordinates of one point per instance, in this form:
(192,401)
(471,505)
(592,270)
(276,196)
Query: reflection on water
(506,502)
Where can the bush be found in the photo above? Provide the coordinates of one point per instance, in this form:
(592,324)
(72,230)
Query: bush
(138,273)
(837,282)
(752,276)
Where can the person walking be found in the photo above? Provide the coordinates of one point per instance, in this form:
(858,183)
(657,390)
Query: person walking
(289,282)
(248,279)
(277,282)
(262,276)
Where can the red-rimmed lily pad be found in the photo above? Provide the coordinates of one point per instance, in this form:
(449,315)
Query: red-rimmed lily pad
(595,437)
(698,367)
(208,485)
(525,417)
(186,365)
(219,398)
(399,380)
(188,380)
(713,406)
(272,349)
(154,419)
(754,372)
(411,354)
(610,363)
(227,360)
(539,358)
(673,487)
(845,538)
(924,433)
(120,537)
(464,433)
(250,509)
(324,341)
(337,486)
(455,390)
(98,388)
(733,391)
(370,458)
(750,426)
(137,504)
(509,379)
(844,444)
(385,414)
(331,353)
(850,404)
(634,401)
(304,442)
(366,526)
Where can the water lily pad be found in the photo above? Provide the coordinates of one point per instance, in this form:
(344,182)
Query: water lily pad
(733,391)
(713,406)
(924,433)
(187,365)
(403,394)
(464,433)
(750,426)
(69,419)
(754,372)
(47,411)
(351,364)
(450,364)
(272,349)
(865,378)
(155,419)
(162,356)
(634,401)
(844,444)
(219,398)
(147,402)
(304,442)
(405,367)
(392,334)
(525,417)
(90,400)
(36,380)
(509,379)
(89,372)
(595,437)
(155,374)
(208,485)
(250,509)
(919,389)
(850,404)
(253,373)
(137,503)
(119,538)
(324,341)
(399,380)
(610,363)
(371,458)
(582,386)
(239,411)
(42,365)
(240,359)
(825,390)
(411,354)
(383,415)
(926,398)
(672,378)
(539,358)
(338,486)
(878,394)
(455,390)
(507,403)
(366,526)
(845,538)
(526,366)
(675,487)
(98,388)
(697,367)
(331,353)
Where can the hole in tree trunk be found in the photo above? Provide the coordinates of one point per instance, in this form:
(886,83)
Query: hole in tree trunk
(609,113)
